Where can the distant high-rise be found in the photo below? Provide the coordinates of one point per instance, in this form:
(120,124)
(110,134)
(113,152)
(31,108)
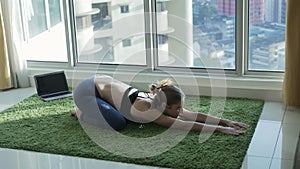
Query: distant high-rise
(271,8)
(256,13)
(227,8)
(275,11)
(283,12)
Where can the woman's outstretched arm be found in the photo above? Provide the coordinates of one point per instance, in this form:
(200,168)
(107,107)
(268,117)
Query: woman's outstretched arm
(195,126)
(140,111)
(157,117)
(201,117)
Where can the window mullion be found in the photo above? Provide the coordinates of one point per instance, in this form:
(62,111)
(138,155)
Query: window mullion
(69,14)
(24,22)
(150,28)
(154,35)
(61,11)
(245,36)
(47,15)
(240,37)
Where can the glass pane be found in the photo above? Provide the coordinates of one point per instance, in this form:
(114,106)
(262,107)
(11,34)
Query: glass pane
(267,35)
(46,45)
(124,9)
(196,33)
(55,13)
(37,22)
(105,35)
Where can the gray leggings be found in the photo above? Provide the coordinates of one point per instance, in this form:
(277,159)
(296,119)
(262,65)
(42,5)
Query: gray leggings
(94,110)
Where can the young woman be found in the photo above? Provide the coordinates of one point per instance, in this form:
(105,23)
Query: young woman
(109,103)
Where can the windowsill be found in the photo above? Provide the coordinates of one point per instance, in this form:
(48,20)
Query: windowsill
(269,89)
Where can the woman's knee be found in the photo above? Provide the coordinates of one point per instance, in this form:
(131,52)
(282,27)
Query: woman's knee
(94,109)
(83,90)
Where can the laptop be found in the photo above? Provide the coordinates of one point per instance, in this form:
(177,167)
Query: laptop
(52,86)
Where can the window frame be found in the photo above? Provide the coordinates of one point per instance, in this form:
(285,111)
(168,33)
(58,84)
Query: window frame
(242,42)
(240,75)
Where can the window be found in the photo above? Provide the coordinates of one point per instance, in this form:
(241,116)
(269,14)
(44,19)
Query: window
(197,34)
(40,16)
(161,6)
(37,20)
(103,18)
(55,12)
(267,35)
(124,8)
(201,36)
(102,33)
(162,39)
(45,32)
(126,42)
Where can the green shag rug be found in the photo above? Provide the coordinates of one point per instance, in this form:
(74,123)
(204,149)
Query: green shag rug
(47,127)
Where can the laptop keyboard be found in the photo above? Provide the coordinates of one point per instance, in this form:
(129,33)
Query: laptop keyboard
(55,94)
(53,97)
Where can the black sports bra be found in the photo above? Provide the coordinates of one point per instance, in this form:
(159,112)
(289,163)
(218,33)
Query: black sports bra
(132,97)
(127,102)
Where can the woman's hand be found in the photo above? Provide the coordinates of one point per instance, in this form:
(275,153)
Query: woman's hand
(233,127)
(236,125)
(230,130)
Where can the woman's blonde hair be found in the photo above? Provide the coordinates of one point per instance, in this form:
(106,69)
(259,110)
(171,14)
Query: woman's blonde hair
(165,91)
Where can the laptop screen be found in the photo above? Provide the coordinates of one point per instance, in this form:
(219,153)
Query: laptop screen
(51,83)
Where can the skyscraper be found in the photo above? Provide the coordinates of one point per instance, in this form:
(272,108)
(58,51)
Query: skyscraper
(271,8)
(275,11)
(226,7)
(256,12)
(283,11)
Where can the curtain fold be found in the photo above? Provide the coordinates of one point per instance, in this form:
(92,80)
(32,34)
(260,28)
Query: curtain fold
(291,85)
(13,23)
(5,76)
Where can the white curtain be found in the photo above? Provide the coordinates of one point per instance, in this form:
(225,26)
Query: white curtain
(13,23)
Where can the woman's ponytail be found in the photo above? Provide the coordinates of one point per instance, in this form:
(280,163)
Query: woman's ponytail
(166,92)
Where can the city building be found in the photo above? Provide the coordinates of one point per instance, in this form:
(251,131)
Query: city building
(275,11)
(256,8)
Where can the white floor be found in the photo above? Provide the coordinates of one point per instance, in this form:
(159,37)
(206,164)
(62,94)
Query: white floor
(273,145)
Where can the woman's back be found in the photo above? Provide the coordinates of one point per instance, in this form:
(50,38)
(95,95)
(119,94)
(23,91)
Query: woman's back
(111,90)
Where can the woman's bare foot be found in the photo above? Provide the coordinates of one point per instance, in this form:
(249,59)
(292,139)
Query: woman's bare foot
(73,113)
(76,113)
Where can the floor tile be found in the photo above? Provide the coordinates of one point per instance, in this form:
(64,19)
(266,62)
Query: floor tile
(264,139)
(287,141)
(273,111)
(8,159)
(281,164)
(13,96)
(94,164)
(292,116)
(21,159)
(30,160)
(252,162)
